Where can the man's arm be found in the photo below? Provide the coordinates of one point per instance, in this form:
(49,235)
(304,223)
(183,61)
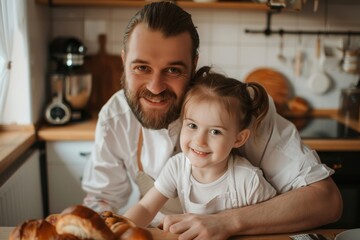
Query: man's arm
(308,207)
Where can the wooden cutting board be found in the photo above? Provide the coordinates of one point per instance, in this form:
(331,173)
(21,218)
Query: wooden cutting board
(275,83)
(156,233)
(106,70)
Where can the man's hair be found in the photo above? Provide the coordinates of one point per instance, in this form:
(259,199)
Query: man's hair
(166,17)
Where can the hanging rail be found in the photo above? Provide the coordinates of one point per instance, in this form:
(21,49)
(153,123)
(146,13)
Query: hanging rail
(268,31)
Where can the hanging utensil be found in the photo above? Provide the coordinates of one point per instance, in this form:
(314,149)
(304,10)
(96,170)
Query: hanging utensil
(299,59)
(316,5)
(281,56)
(319,83)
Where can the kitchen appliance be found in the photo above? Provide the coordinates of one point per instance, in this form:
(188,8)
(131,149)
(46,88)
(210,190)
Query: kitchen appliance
(287,4)
(323,128)
(70,83)
(350,102)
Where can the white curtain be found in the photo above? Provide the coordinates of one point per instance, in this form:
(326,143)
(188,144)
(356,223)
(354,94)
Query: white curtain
(8,23)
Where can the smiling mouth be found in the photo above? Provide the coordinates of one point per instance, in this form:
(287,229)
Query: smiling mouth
(156,102)
(200,153)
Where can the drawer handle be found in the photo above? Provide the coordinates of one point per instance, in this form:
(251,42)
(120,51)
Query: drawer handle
(337,166)
(85,154)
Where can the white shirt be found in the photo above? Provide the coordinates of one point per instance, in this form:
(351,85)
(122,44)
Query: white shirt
(241,185)
(278,150)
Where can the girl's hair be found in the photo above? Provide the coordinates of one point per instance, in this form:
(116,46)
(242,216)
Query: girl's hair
(167,18)
(244,100)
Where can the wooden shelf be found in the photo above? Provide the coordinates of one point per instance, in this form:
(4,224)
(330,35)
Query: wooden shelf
(138,3)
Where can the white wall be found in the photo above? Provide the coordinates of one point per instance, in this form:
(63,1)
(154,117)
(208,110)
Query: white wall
(26,88)
(225,44)
(38,23)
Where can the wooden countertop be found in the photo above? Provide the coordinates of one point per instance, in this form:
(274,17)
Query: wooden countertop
(161,235)
(84,131)
(80,131)
(330,234)
(14,141)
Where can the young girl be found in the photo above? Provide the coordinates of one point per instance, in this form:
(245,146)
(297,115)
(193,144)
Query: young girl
(209,175)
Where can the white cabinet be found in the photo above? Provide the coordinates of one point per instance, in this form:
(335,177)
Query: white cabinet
(65,164)
(20,195)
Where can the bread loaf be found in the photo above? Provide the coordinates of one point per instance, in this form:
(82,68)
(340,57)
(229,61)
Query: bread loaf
(80,223)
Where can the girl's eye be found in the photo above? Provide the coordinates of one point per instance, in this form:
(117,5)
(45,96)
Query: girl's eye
(192,126)
(215,132)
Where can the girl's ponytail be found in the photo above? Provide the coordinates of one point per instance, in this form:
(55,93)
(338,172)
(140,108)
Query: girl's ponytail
(259,102)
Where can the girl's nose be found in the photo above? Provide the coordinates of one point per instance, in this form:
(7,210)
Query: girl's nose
(200,138)
(156,84)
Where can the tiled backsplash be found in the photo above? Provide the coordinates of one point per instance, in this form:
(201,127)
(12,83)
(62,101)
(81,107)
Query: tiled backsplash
(225,45)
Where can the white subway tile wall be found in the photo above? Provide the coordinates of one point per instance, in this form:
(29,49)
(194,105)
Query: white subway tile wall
(225,45)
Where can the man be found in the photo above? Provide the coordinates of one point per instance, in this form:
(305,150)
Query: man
(138,131)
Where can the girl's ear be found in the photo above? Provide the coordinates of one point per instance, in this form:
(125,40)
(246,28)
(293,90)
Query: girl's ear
(241,138)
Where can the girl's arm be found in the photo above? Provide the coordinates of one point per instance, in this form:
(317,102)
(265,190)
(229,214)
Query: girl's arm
(145,210)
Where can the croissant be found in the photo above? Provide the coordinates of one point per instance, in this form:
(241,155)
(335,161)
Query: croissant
(83,223)
(53,218)
(80,223)
(34,229)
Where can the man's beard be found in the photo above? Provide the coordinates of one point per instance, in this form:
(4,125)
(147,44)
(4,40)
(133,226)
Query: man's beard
(154,119)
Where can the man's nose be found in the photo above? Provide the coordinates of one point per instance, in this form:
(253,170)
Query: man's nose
(156,84)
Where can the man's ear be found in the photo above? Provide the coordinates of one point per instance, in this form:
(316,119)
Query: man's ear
(195,62)
(242,137)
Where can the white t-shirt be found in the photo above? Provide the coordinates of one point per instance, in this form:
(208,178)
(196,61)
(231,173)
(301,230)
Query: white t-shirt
(278,150)
(241,185)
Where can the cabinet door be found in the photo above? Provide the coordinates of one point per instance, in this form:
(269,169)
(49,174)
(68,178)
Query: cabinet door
(20,195)
(66,162)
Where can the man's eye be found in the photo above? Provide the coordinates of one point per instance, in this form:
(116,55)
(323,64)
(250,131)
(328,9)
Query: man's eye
(192,126)
(215,132)
(142,68)
(175,71)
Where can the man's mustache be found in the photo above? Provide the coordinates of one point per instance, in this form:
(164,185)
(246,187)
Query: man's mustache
(167,94)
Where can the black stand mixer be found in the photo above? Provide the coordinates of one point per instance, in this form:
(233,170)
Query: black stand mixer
(70,84)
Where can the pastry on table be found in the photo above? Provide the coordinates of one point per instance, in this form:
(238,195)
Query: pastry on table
(80,223)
